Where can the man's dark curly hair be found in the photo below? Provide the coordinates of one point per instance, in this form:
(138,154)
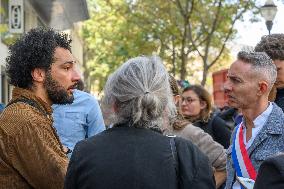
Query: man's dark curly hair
(33,50)
(273,45)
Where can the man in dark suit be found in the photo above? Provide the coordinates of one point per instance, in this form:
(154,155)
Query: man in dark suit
(271,173)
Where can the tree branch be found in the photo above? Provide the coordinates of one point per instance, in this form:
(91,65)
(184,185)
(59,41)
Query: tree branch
(229,34)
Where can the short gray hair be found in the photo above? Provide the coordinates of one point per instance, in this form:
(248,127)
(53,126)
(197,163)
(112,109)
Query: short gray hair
(261,64)
(140,91)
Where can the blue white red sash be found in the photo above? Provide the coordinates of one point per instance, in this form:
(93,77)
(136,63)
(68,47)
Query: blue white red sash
(241,160)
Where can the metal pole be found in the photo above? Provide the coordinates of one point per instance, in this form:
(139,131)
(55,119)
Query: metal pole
(269,25)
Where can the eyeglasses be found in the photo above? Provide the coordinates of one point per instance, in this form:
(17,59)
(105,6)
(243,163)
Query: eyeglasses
(188,100)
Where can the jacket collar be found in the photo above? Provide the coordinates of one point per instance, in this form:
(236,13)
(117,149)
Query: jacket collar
(20,92)
(131,125)
(273,126)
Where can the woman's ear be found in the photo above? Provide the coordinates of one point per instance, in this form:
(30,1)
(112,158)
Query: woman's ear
(203,104)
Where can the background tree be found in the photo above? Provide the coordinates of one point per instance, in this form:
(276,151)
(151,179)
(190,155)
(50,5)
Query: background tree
(111,37)
(191,36)
(213,28)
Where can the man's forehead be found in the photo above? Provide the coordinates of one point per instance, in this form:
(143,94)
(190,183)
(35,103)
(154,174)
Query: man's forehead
(65,59)
(239,68)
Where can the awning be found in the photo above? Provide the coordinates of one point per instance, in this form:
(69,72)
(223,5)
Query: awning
(61,14)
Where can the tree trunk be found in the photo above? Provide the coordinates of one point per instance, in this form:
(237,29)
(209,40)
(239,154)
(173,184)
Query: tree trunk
(185,12)
(183,53)
(86,72)
(204,75)
(174,56)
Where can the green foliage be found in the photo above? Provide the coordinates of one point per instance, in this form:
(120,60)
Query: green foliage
(182,32)
(111,37)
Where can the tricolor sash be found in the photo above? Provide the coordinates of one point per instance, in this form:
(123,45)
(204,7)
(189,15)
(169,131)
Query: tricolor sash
(240,157)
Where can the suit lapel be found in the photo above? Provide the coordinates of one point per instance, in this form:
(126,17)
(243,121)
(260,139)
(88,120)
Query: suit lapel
(272,126)
(257,141)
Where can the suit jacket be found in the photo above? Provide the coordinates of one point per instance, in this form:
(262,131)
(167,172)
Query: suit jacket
(271,174)
(268,142)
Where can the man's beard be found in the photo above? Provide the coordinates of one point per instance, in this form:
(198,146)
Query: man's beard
(56,92)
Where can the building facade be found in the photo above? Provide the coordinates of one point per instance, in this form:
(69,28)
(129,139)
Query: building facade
(63,15)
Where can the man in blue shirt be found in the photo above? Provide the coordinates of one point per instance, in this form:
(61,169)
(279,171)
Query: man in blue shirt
(79,120)
(2,106)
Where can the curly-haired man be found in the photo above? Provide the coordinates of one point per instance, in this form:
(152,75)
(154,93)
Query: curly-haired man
(42,70)
(273,45)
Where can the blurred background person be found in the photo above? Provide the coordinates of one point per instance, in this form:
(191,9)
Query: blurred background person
(232,116)
(196,107)
(134,153)
(273,46)
(183,128)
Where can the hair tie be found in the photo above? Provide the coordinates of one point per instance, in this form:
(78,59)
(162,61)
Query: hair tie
(146,92)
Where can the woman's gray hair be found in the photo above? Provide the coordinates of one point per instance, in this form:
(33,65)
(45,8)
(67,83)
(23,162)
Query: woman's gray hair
(140,93)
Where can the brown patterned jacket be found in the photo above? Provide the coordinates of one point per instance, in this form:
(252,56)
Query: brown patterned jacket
(31,155)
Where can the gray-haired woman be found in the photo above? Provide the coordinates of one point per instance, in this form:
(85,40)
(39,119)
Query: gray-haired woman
(134,153)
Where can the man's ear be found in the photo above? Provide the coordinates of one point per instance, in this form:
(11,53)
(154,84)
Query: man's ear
(38,75)
(262,88)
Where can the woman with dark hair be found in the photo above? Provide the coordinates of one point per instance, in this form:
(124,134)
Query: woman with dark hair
(196,107)
(184,129)
(134,153)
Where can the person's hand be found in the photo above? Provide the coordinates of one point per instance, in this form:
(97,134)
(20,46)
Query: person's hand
(65,149)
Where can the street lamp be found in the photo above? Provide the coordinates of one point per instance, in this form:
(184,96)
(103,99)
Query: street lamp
(268,12)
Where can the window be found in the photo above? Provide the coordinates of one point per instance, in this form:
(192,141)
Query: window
(6,37)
